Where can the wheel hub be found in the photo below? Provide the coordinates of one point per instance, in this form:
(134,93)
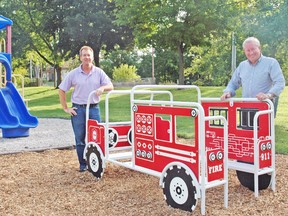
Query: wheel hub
(179,190)
(94,164)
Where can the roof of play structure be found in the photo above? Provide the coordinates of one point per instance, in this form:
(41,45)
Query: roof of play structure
(4,22)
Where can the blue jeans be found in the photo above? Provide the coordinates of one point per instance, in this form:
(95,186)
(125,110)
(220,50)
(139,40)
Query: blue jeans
(79,128)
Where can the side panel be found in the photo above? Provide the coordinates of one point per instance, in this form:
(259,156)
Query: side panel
(240,131)
(215,164)
(119,136)
(155,139)
(96,134)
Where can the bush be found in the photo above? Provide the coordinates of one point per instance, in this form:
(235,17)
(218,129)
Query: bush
(125,73)
(18,75)
(30,82)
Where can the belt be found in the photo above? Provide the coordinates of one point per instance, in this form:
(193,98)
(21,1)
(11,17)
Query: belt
(85,105)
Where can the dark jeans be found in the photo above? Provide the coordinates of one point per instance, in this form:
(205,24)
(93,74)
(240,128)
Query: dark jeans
(79,128)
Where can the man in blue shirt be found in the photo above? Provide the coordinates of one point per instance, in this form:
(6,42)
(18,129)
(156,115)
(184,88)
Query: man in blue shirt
(85,79)
(259,76)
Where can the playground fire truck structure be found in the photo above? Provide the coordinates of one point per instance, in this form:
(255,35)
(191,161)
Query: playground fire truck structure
(149,143)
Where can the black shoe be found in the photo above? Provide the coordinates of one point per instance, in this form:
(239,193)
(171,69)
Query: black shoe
(82,169)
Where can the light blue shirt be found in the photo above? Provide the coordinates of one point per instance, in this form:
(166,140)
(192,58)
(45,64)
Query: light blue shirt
(265,76)
(84,84)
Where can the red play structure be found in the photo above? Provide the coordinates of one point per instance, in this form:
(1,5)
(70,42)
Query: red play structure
(152,142)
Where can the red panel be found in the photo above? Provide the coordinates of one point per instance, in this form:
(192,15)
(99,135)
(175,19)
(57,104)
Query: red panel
(144,124)
(155,153)
(163,128)
(162,153)
(96,134)
(215,164)
(122,131)
(240,141)
(265,153)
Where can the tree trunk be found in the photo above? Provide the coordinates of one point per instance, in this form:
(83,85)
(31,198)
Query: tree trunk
(96,57)
(181,63)
(58,75)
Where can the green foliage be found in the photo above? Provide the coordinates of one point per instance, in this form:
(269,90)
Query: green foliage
(191,38)
(19,75)
(166,66)
(210,65)
(173,24)
(117,57)
(267,20)
(169,23)
(92,23)
(125,73)
(56,30)
(144,65)
(165,63)
(21,71)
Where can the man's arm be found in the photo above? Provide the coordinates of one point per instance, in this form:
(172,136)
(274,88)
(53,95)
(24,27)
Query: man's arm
(108,87)
(277,78)
(63,102)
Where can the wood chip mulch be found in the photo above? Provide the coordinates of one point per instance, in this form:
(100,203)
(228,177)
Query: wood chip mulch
(48,183)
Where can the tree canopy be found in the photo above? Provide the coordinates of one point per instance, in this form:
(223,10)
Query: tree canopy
(192,38)
(56,29)
(172,24)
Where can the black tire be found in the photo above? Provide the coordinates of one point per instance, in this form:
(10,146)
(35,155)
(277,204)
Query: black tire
(129,136)
(94,161)
(112,137)
(247,180)
(179,189)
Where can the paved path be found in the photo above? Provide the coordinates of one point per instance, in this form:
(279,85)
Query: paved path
(49,134)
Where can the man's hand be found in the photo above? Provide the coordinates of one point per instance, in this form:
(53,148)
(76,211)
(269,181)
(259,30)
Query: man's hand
(225,95)
(71,111)
(262,96)
(99,91)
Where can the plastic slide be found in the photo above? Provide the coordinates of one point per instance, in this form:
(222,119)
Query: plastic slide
(15,120)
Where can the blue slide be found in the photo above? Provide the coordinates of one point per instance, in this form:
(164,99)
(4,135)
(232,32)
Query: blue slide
(15,120)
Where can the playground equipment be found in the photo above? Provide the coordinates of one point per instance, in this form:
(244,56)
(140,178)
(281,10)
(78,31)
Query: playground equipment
(22,93)
(150,142)
(15,120)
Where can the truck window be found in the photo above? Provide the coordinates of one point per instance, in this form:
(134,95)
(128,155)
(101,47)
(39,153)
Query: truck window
(185,130)
(245,118)
(163,127)
(217,112)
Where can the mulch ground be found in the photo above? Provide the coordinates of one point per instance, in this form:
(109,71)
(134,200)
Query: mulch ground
(48,183)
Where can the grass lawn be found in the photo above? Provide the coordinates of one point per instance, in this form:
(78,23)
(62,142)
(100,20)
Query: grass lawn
(44,103)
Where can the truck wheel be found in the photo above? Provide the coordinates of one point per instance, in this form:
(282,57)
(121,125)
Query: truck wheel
(247,180)
(179,189)
(94,161)
(112,137)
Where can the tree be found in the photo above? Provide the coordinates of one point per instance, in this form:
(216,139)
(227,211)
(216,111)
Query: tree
(117,57)
(175,24)
(211,65)
(56,29)
(92,23)
(269,24)
(166,65)
(38,27)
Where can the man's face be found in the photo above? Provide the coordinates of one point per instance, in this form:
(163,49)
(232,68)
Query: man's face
(86,56)
(252,52)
